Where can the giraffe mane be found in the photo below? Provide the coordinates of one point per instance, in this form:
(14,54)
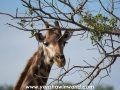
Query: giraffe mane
(24,73)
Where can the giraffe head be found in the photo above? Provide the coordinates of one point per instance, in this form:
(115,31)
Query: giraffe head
(53,44)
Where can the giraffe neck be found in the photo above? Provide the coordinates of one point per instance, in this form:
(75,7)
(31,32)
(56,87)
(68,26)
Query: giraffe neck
(38,72)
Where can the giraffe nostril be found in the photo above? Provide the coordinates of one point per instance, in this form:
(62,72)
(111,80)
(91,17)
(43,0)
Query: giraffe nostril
(62,57)
(57,56)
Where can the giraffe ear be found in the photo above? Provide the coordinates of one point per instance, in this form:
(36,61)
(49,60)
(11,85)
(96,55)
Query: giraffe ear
(67,35)
(39,37)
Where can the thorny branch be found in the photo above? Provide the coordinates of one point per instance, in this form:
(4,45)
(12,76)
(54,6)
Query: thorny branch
(66,12)
(52,11)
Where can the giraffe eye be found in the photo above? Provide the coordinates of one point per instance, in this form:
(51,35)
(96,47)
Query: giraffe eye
(46,44)
(65,43)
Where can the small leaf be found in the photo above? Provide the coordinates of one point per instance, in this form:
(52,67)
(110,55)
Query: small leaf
(20,23)
(30,11)
(31,25)
(32,33)
(23,21)
(99,38)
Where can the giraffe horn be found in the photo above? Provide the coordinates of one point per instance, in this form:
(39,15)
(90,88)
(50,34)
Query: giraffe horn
(57,25)
(47,31)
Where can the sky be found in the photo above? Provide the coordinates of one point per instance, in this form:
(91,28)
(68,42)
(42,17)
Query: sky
(16,48)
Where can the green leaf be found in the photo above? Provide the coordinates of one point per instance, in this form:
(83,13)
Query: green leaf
(81,21)
(100,24)
(30,11)
(99,39)
(31,25)
(32,33)
(20,23)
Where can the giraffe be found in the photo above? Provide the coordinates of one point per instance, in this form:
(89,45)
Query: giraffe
(39,65)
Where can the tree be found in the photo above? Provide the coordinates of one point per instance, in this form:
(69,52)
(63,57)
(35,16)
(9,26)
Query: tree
(100,87)
(6,87)
(101,25)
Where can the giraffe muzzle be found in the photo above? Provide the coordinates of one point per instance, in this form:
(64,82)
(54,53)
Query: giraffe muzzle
(59,60)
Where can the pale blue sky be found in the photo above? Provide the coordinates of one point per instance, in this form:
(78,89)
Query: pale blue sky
(16,48)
